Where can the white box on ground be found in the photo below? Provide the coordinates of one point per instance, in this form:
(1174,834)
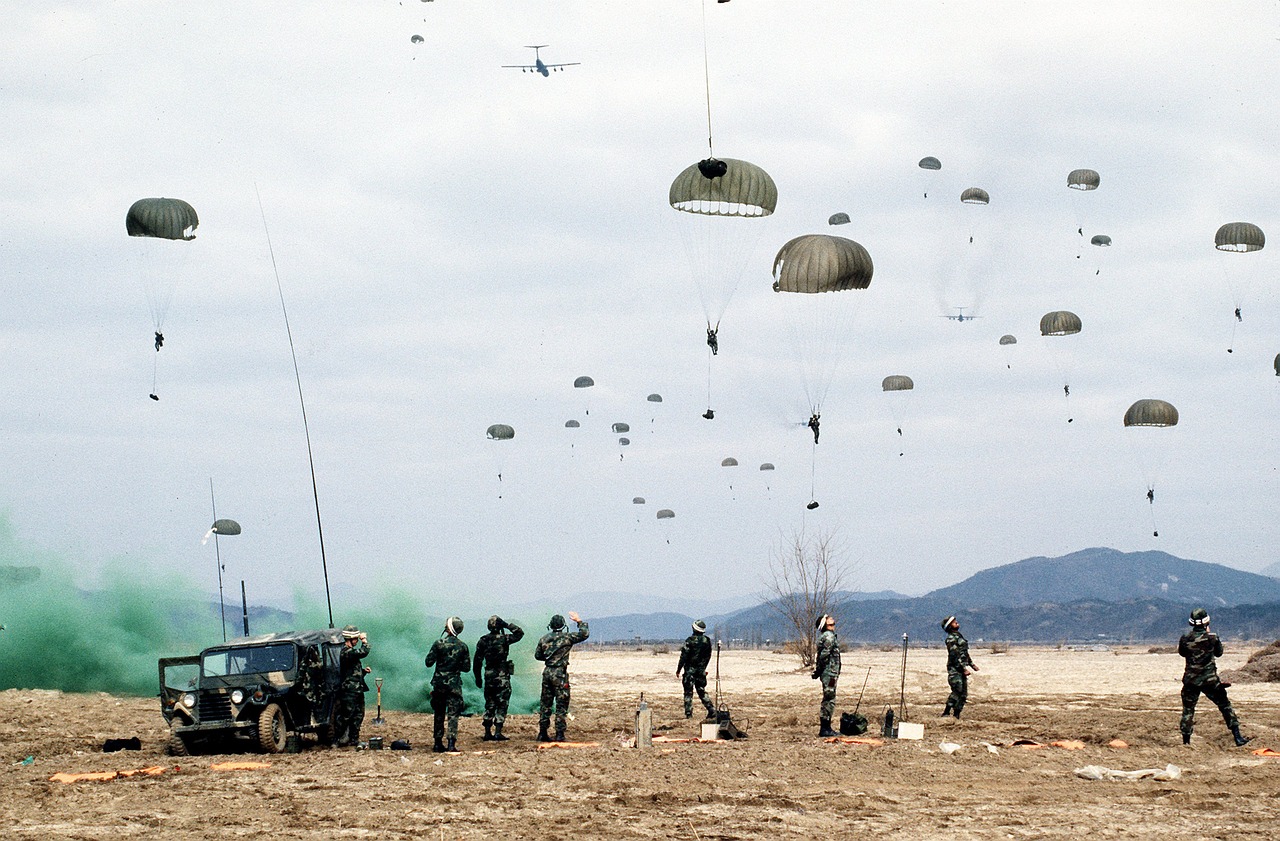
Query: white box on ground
(909,730)
(711,731)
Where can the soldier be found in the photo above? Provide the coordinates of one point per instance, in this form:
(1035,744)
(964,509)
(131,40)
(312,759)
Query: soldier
(826,667)
(553,649)
(958,665)
(451,657)
(695,654)
(491,656)
(1199,647)
(348,713)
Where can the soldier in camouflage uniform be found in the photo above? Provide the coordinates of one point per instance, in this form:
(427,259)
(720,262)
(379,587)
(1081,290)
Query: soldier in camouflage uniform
(452,658)
(553,650)
(695,654)
(826,667)
(1199,647)
(958,665)
(491,658)
(348,712)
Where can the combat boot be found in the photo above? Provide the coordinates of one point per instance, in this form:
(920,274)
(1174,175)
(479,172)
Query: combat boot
(559,734)
(1186,737)
(438,747)
(542,733)
(488,732)
(825,730)
(1241,741)
(452,746)
(497,733)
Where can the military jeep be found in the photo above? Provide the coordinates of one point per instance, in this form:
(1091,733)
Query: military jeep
(252,692)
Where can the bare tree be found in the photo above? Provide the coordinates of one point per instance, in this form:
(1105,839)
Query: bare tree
(805,573)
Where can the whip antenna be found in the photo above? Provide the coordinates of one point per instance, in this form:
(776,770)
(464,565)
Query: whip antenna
(222,605)
(315,494)
(706,76)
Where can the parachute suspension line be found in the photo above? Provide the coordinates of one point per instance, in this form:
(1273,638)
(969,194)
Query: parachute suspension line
(1151,498)
(706,76)
(315,494)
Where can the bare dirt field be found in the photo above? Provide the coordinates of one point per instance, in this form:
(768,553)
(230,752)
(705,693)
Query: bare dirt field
(781,781)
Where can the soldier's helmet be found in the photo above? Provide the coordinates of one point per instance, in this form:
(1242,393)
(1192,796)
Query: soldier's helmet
(453,625)
(495,622)
(350,632)
(699,627)
(822,621)
(1199,617)
(556,623)
(946,623)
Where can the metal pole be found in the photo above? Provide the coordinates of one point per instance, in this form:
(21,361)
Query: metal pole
(245,603)
(902,697)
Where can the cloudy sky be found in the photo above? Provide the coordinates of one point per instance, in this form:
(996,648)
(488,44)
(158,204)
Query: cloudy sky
(457,242)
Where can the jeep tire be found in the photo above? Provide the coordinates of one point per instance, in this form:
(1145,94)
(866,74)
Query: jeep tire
(273,730)
(177,746)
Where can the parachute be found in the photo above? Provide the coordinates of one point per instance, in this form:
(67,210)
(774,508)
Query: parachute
(897,382)
(838,219)
(928,166)
(160,223)
(820,263)
(899,388)
(1239,238)
(665,514)
(930,163)
(500,432)
(1008,339)
(571,424)
(1061,323)
(1101,240)
(637,500)
(654,398)
(729,462)
(1278,364)
(625,442)
(622,427)
(225,527)
(1150,449)
(583,382)
(416,39)
(766,466)
(975,195)
(1083,179)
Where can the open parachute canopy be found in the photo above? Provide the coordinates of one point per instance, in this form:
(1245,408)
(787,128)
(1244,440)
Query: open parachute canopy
(1100,240)
(637,500)
(1239,236)
(225,527)
(665,514)
(821,263)
(897,382)
(766,466)
(1151,413)
(583,382)
(622,427)
(500,432)
(1008,339)
(571,424)
(654,398)
(930,162)
(729,462)
(1059,323)
(838,219)
(1278,364)
(975,195)
(624,442)
(1083,179)
(743,189)
(162,218)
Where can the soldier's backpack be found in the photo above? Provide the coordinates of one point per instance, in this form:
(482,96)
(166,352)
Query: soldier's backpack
(853,724)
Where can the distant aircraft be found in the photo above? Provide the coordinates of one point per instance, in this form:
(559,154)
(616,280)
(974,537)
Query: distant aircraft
(538,66)
(961,316)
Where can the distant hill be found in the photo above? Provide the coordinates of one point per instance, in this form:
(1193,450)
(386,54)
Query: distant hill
(1091,595)
(1111,576)
(1272,571)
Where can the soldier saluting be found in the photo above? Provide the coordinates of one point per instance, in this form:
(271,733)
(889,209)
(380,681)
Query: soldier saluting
(958,665)
(349,709)
(1199,646)
(553,650)
(491,659)
(452,658)
(695,654)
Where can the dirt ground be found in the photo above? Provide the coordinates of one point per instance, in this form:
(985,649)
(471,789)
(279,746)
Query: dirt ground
(781,781)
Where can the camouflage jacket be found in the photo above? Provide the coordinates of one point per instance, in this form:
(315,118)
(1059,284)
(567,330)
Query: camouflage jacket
(553,648)
(958,652)
(492,650)
(350,667)
(695,654)
(451,657)
(1200,647)
(827,662)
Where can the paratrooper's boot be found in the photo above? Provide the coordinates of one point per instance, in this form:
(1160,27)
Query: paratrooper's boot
(451,747)
(497,733)
(825,730)
(559,733)
(488,732)
(1186,737)
(542,733)
(438,747)
(1241,741)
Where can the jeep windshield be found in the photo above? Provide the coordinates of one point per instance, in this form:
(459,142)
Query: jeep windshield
(249,660)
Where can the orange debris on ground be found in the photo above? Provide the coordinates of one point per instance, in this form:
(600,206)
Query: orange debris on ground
(104,776)
(239,766)
(552,745)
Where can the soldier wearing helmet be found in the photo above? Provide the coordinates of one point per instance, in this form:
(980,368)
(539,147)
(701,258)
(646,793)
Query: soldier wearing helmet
(553,650)
(826,668)
(1199,647)
(451,658)
(958,665)
(491,662)
(695,654)
(348,713)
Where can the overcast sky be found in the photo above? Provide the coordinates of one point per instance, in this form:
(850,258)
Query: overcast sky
(457,242)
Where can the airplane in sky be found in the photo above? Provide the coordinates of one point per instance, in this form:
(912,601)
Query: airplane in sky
(538,66)
(961,316)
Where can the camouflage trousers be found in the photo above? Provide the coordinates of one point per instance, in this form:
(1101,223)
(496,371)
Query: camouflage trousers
(555,691)
(1215,692)
(695,680)
(959,683)
(348,716)
(497,695)
(828,708)
(447,704)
